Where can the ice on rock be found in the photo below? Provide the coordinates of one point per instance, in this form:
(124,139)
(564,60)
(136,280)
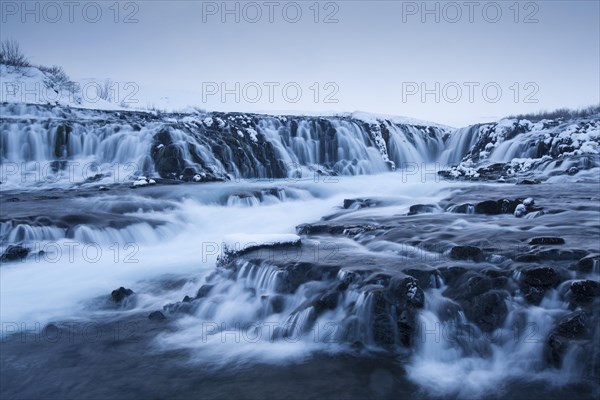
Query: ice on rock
(143,181)
(199,177)
(253,134)
(520,210)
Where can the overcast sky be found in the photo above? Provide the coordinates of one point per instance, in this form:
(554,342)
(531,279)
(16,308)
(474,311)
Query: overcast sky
(351,55)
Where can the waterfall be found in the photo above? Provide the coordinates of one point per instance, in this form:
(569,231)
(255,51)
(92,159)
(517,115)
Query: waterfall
(49,145)
(459,144)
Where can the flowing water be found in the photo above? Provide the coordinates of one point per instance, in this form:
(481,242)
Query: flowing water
(370,303)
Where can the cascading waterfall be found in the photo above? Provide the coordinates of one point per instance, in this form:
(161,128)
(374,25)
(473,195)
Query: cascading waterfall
(483,359)
(459,144)
(42,144)
(279,312)
(51,143)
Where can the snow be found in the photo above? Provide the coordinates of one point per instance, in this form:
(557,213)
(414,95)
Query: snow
(32,85)
(520,210)
(241,241)
(253,134)
(465,168)
(199,177)
(395,119)
(143,181)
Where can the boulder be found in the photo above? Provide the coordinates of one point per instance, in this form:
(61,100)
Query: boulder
(584,292)
(546,240)
(118,295)
(14,253)
(157,316)
(503,206)
(422,209)
(586,264)
(572,327)
(204,291)
(541,276)
(488,310)
(467,253)
(536,281)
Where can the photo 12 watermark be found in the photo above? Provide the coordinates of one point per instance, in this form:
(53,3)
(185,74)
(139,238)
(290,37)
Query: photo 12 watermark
(452,12)
(69,92)
(253,12)
(53,12)
(470,92)
(270,92)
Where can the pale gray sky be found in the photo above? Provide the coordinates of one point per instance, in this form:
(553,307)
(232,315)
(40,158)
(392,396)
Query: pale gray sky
(378,56)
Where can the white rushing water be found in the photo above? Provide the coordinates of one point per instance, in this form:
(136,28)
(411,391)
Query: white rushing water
(188,241)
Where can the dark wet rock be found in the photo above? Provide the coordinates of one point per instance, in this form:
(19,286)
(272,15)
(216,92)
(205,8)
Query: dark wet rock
(494,207)
(290,249)
(394,310)
(452,274)
(422,209)
(328,301)
(541,276)
(358,203)
(376,278)
(94,178)
(494,272)
(157,316)
(426,278)
(407,291)
(468,285)
(181,307)
(204,291)
(497,171)
(546,240)
(118,295)
(325,229)
(572,327)
(528,182)
(533,294)
(14,253)
(400,290)
(584,291)
(550,255)
(383,323)
(536,281)
(168,159)
(357,230)
(449,311)
(466,208)
(276,303)
(586,264)
(302,272)
(467,253)
(503,206)
(319,229)
(488,310)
